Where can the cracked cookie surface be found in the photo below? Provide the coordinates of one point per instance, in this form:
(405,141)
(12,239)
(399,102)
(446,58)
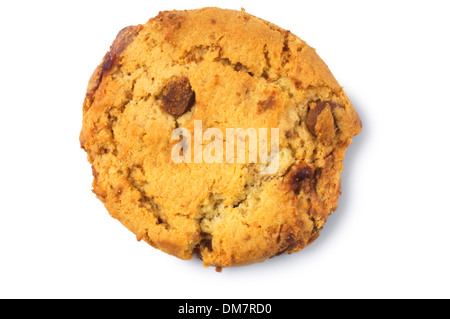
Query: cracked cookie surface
(228,69)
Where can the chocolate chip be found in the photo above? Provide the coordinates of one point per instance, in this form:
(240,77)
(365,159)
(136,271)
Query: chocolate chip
(122,41)
(289,134)
(266,104)
(178,96)
(289,243)
(299,174)
(170,21)
(311,118)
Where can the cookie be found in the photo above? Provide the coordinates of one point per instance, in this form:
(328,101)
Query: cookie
(157,118)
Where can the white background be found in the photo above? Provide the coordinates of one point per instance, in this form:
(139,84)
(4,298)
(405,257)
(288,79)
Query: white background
(389,237)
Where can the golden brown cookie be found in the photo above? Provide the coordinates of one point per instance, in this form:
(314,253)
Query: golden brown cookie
(224,69)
